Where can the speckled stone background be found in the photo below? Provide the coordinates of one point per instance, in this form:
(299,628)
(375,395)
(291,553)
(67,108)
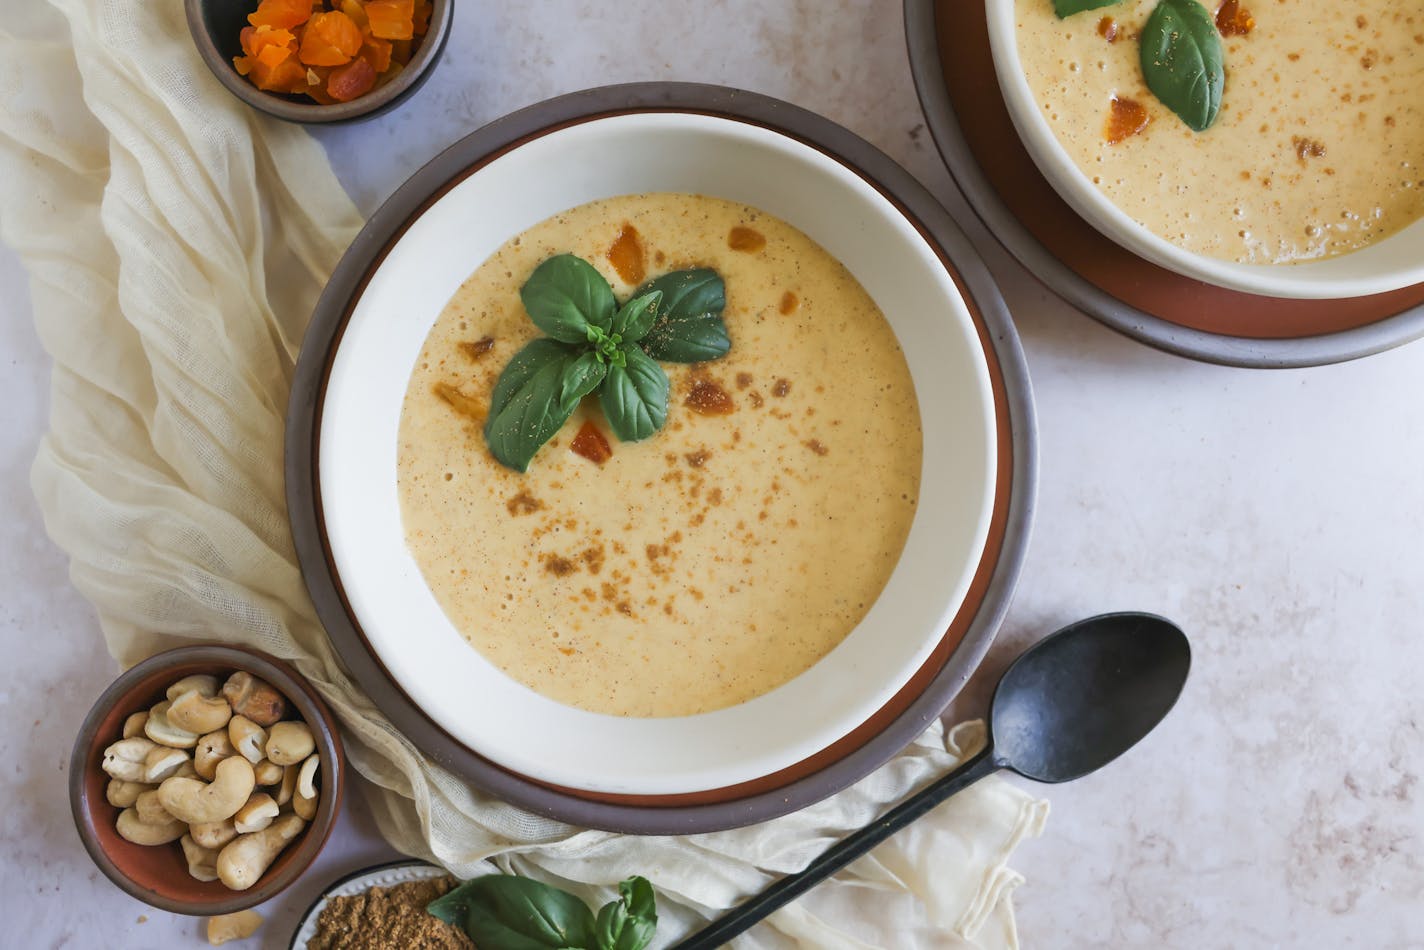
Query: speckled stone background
(1278,516)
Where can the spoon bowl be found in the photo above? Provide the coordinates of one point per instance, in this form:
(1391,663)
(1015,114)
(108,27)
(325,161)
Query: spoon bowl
(1085,695)
(1069,705)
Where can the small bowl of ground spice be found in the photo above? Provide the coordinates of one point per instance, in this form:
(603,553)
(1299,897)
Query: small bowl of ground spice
(320,61)
(380,907)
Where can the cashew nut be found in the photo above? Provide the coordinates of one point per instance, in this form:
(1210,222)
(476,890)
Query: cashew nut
(268,772)
(162,762)
(202,862)
(197,713)
(200,683)
(254,699)
(191,800)
(289,743)
(247,858)
(212,749)
(133,726)
(185,770)
(289,784)
(150,811)
(213,834)
(161,730)
(248,738)
(125,758)
(256,814)
(122,794)
(304,798)
(132,829)
(238,926)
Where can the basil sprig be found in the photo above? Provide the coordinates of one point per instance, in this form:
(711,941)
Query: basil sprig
(595,345)
(1066,8)
(506,912)
(1183,62)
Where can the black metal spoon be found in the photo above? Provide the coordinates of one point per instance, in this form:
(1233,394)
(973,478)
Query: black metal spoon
(1068,706)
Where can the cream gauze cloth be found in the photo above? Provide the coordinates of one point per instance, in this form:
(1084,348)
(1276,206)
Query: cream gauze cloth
(176,242)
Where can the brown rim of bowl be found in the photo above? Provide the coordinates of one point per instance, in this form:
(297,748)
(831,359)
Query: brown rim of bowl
(425,186)
(954,75)
(138,688)
(217,55)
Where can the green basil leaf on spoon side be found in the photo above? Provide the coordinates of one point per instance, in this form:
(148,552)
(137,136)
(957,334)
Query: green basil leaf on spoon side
(689,326)
(635,396)
(533,399)
(1182,61)
(1066,8)
(565,296)
(507,912)
(629,922)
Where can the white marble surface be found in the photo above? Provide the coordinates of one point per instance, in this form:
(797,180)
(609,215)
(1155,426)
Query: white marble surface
(1277,516)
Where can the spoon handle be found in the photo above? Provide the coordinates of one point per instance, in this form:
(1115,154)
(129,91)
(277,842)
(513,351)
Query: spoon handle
(840,854)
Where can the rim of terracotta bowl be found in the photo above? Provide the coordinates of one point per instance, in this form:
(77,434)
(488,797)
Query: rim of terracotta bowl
(137,689)
(1378,323)
(1391,263)
(217,52)
(324,333)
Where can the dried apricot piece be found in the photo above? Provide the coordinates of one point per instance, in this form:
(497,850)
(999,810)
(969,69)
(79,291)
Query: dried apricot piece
(354,79)
(287,76)
(392,19)
(356,12)
(280,14)
(420,22)
(330,39)
(1126,118)
(377,52)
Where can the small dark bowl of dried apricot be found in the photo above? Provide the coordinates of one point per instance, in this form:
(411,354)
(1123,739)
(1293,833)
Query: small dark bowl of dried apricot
(320,61)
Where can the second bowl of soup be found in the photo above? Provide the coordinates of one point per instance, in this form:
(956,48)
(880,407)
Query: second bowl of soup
(1269,148)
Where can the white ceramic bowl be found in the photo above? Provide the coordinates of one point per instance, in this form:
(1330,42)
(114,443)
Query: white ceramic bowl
(1397,261)
(504,720)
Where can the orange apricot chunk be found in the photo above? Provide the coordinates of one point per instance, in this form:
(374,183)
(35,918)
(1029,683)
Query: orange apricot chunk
(392,19)
(420,22)
(280,14)
(354,79)
(330,39)
(377,52)
(356,12)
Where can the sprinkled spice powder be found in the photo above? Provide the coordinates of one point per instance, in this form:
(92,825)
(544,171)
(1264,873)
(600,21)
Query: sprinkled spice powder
(388,917)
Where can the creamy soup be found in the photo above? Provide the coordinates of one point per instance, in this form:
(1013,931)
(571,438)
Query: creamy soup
(1319,146)
(715,560)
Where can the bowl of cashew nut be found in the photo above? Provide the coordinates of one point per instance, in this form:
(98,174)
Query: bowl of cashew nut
(206,779)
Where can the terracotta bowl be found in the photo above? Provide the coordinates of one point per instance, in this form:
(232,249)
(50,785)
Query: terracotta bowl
(217,24)
(159,875)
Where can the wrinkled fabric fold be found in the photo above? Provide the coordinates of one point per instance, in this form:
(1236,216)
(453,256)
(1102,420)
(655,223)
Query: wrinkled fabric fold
(176,244)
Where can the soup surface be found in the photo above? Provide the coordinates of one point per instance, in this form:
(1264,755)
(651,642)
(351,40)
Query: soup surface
(715,560)
(1319,147)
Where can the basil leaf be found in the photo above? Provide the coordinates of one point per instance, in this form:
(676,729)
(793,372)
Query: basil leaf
(689,327)
(532,401)
(565,295)
(506,912)
(1182,61)
(628,923)
(635,396)
(636,318)
(580,378)
(1066,8)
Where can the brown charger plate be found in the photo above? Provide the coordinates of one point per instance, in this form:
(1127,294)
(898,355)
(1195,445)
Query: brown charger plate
(954,74)
(933,686)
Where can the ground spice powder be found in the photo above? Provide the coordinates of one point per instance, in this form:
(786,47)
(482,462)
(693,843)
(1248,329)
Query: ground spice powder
(385,918)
